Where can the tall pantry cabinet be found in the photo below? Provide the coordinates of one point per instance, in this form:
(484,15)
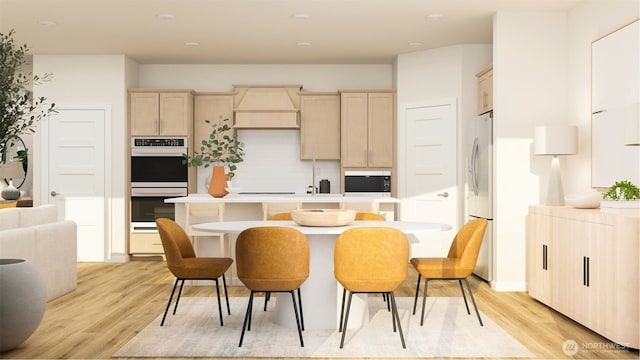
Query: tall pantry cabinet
(368,129)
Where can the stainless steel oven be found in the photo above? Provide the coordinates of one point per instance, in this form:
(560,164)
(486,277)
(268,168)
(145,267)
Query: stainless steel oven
(157,173)
(367,182)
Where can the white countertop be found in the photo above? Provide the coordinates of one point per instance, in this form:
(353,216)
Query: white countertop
(303,198)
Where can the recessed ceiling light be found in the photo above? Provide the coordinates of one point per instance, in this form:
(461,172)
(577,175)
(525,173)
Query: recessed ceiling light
(166,17)
(415,43)
(300,17)
(47,23)
(192,43)
(434,17)
(303,44)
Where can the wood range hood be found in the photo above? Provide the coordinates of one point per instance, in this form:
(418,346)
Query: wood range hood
(267,106)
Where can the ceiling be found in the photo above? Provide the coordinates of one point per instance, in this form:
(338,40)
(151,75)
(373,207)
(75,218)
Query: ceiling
(255,31)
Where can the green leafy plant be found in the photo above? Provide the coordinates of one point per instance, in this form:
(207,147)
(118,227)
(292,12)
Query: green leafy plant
(222,147)
(622,190)
(19,111)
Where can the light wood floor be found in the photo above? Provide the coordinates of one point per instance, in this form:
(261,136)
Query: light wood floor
(113,302)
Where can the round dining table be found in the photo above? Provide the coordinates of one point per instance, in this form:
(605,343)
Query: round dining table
(321,293)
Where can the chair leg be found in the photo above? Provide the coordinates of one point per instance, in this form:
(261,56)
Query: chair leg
(295,311)
(346,320)
(424,300)
(179,294)
(226,293)
(219,302)
(246,325)
(396,316)
(169,302)
(267,296)
(300,306)
(385,298)
(415,301)
(464,296)
(473,301)
(344,292)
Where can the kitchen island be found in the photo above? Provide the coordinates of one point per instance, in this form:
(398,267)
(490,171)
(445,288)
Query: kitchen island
(239,207)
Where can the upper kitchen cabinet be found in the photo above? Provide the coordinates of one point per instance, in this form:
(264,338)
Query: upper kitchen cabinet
(367,129)
(485,90)
(160,113)
(266,106)
(320,126)
(214,107)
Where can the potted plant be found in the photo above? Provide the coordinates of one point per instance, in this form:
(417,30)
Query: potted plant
(221,149)
(19,111)
(622,194)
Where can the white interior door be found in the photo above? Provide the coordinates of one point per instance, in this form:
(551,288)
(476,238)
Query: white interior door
(76,174)
(431,190)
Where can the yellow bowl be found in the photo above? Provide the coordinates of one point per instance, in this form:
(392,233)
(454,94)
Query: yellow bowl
(323,217)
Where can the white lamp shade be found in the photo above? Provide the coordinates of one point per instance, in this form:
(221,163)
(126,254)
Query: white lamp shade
(11,170)
(555,140)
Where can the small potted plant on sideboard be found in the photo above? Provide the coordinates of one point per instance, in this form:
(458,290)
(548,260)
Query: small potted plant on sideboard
(622,195)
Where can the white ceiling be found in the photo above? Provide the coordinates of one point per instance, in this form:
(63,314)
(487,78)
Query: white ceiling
(255,31)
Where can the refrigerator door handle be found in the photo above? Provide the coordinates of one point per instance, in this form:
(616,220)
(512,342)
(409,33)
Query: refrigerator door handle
(474,167)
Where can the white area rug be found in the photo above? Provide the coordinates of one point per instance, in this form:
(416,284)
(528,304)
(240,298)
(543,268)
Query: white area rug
(448,332)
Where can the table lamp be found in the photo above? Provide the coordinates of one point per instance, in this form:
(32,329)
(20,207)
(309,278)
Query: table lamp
(555,140)
(11,170)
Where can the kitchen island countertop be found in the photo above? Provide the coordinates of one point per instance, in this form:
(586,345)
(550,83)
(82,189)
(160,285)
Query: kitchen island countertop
(302,198)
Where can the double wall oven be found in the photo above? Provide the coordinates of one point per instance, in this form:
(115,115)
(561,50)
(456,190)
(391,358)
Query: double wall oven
(157,173)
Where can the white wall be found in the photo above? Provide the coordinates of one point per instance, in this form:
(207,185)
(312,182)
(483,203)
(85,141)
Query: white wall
(272,158)
(530,89)
(588,22)
(95,80)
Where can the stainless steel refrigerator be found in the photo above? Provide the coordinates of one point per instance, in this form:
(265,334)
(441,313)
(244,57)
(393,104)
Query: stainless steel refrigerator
(480,185)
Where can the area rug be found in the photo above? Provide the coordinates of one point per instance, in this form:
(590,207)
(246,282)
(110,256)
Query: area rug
(448,332)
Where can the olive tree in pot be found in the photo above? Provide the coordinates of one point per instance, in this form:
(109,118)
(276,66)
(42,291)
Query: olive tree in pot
(222,148)
(20,112)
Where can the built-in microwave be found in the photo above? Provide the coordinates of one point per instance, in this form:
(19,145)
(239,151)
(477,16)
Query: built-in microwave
(367,182)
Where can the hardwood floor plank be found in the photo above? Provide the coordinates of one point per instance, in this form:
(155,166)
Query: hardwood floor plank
(115,301)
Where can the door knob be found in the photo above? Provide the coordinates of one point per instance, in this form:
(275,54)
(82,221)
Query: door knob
(53,193)
(444,194)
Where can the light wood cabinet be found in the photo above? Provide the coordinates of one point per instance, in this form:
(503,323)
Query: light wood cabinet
(267,106)
(584,264)
(367,129)
(212,106)
(320,126)
(485,90)
(159,113)
(145,244)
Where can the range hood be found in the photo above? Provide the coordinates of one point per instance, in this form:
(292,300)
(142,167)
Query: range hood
(267,106)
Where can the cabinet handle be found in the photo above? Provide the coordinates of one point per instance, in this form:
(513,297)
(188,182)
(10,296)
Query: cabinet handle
(544,257)
(484,100)
(585,271)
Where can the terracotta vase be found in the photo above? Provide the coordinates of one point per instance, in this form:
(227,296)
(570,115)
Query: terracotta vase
(218,183)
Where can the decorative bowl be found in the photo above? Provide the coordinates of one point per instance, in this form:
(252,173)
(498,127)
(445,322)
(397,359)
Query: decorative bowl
(590,200)
(323,217)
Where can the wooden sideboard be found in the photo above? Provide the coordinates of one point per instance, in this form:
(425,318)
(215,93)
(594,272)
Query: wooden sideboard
(584,264)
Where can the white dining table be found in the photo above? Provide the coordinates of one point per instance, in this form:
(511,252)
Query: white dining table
(321,293)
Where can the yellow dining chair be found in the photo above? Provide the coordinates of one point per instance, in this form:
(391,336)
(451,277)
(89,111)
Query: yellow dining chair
(367,216)
(280,216)
(370,260)
(184,265)
(458,265)
(272,259)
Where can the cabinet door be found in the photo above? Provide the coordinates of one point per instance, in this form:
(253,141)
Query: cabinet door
(485,92)
(144,113)
(320,127)
(380,135)
(175,114)
(214,108)
(354,126)
(538,257)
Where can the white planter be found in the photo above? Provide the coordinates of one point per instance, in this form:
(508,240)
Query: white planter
(631,207)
